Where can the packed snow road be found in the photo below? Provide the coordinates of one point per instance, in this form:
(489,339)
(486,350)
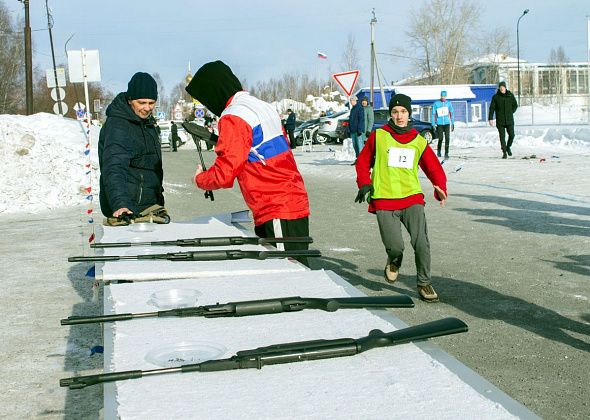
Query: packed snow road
(509,251)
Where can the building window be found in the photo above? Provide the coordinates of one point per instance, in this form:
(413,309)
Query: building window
(577,81)
(549,82)
(526,82)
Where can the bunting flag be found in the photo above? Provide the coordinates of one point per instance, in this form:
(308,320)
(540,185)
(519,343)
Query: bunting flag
(91,237)
(322,55)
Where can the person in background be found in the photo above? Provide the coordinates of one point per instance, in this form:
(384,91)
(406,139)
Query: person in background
(503,105)
(387,177)
(443,122)
(369,117)
(290,127)
(356,125)
(174,136)
(130,154)
(252,148)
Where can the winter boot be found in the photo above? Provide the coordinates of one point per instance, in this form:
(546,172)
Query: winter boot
(509,151)
(427,293)
(504,156)
(391,271)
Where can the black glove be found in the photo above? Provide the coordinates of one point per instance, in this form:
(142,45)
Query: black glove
(453,127)
(363,191)
(368,133)
(359,134)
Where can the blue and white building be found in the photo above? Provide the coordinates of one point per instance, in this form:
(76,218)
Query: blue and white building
(470,102)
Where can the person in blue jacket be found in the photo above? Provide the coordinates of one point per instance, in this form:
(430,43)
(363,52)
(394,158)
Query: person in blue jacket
(356,125)
(129,151)
(443,122)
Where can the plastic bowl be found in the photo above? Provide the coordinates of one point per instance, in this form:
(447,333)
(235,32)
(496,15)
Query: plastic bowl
(174,298)
(142,227)
(184,353)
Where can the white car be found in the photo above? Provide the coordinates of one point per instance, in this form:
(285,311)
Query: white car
(329,124)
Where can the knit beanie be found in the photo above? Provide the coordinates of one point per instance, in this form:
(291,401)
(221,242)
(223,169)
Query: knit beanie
(502,84)
(142,86)
(401,100)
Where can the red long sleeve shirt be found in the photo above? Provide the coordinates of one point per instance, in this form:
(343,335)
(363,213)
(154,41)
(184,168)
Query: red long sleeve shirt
(428,163)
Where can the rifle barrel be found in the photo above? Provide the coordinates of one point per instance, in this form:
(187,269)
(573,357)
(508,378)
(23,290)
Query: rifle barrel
(197,242)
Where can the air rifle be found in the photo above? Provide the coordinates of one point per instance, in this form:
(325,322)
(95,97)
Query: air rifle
(198,133)
(287,353)
(215,255)
(214,241)
(257,307)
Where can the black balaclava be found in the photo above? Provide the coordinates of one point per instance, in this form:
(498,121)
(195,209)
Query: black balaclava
(213,84)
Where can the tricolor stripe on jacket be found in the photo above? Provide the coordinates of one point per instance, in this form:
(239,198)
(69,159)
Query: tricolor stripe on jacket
(268,139)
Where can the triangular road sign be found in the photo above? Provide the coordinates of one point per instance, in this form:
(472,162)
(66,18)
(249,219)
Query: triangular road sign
(347,80)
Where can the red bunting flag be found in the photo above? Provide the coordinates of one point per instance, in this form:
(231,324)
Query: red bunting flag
(91,238)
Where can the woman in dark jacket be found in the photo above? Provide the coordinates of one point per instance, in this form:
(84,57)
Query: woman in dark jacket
(504,106)
(129,151)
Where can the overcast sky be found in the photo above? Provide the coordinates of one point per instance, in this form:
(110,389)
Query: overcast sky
(262,39)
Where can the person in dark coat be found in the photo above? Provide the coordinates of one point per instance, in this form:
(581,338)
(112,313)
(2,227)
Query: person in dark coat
(504,106)
(290,127)
(129,151)
(174,136)
(356,125)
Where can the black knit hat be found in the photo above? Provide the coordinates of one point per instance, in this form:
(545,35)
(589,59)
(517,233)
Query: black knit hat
(401,100)
(502,84)
(213,84)
(142,86)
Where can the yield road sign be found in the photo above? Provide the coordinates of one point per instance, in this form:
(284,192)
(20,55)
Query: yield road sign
(347,80)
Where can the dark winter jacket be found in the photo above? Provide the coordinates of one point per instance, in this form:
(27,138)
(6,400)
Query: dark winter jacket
(290,124)
(356,120)
(130,158)
(503,105)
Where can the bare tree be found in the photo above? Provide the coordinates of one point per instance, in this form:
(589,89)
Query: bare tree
(558,59)
(493,47)
(12,75)
(440,39)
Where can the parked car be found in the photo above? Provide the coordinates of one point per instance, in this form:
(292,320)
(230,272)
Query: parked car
(381,118)
(329,124)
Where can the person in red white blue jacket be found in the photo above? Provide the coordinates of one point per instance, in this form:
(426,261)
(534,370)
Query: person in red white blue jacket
(253,148)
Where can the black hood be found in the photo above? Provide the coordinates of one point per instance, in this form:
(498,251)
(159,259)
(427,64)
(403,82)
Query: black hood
(212,85)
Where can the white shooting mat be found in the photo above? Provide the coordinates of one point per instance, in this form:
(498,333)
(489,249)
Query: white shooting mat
(405,381)
(209,226)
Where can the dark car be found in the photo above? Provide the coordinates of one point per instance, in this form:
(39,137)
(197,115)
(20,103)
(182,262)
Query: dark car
(381,118)
(311,124)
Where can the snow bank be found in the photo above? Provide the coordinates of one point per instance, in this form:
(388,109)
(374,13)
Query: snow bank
(42,163)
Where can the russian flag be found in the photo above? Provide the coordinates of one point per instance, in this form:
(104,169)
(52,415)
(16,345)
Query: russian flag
(322,55)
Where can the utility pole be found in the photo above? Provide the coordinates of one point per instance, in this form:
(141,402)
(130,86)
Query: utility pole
(28,60)
(518,51)
(373,22)
(374,65)
(49,26)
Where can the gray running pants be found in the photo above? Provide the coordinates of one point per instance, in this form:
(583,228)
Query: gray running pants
(414,220)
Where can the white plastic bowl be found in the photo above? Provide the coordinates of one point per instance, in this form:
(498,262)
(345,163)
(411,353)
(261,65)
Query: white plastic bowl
(174,298)
(184,353)
(142,227)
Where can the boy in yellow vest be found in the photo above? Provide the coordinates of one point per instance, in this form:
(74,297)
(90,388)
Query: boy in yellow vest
(393,153)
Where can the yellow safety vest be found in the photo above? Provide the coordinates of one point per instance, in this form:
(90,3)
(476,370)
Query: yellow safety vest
(395,173)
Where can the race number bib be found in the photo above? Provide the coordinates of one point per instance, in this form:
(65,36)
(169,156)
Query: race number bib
(401,158)
(442,112)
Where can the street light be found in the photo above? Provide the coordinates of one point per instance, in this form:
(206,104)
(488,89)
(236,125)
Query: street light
(518,51)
